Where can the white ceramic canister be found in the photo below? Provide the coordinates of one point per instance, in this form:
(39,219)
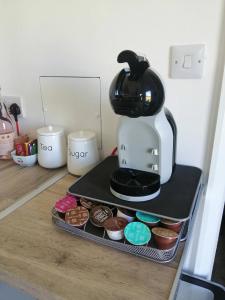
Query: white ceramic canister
(82,152)
(51,147)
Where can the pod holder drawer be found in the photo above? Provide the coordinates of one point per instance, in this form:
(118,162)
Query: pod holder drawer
(99,235)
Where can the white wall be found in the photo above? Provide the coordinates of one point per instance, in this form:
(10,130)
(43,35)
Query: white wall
(83,38)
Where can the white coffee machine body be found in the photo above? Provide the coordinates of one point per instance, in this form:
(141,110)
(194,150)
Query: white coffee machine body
(146,144)
(146,131)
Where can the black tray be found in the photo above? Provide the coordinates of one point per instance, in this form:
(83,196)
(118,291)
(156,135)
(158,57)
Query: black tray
(175,201)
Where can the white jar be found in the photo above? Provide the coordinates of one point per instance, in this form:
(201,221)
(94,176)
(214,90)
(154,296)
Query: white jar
(82,152)
(51,147)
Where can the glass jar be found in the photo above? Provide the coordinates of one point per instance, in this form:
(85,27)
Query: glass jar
(7,134)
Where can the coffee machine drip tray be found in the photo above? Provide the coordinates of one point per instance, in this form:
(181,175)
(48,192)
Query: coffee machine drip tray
(134,185)
(176,199)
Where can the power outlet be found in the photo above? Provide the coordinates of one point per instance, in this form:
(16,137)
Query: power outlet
(8,100)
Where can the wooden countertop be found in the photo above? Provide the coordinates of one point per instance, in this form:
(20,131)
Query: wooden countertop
(17,182)
(47,261)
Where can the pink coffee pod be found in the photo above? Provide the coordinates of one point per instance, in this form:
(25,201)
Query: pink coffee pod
(66,203)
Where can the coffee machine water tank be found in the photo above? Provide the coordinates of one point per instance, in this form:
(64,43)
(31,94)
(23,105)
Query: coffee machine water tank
(146,131)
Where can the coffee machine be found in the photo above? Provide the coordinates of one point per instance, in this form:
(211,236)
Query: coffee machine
(146,131)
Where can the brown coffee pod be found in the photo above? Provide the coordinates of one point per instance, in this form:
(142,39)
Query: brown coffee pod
(164,232)
(127,212)
(165,238)
(115,228)
(77,217)
(115,224)
(173,225)
(87,203)
(99,214)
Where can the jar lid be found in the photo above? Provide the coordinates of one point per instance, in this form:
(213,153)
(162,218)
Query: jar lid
(82,135)
(50,130)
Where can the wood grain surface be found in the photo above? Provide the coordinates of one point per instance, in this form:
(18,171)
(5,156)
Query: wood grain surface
(17,181)
(70,267)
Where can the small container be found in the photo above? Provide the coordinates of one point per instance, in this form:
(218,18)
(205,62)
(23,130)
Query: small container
(19,145)
(82,153)
(173,225)
(51,147)
(150,220)
(115,228)
(24,161)
(77,217)
(99,214)
(66,203)
(87,203)
(7,133)
(164,238)
(126,214)
(137,233)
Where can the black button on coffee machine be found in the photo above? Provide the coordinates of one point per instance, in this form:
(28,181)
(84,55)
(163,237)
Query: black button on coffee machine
(146,131)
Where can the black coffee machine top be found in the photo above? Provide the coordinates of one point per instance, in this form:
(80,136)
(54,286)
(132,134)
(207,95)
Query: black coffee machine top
(136,91)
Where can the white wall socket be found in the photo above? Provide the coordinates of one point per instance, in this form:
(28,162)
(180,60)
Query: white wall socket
(8,100)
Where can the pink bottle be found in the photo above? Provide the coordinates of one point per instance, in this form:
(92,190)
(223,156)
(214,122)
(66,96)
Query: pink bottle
(7,134)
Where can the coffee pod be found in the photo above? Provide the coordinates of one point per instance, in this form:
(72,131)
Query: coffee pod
(87,203)
(77,217)
(99,214)
(126,214)
(149,220)
(137,233)
(64,204)
(164,238)
(115,227)
(173,225)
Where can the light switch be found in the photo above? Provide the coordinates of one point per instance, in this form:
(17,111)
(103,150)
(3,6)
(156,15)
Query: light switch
(187,61)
